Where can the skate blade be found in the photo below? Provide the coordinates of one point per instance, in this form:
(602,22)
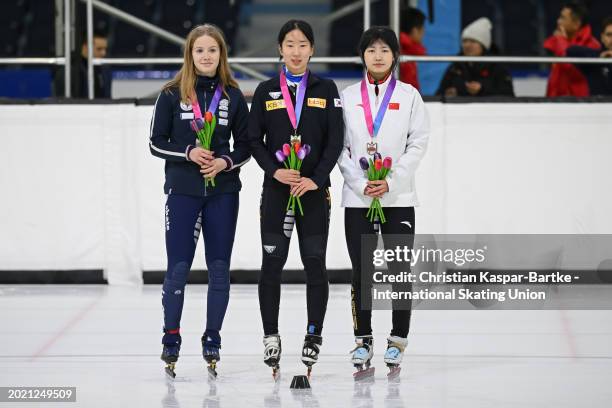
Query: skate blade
(212,370)
(276,374)
(212,373)
(170,373)
(394,373)
(364,374)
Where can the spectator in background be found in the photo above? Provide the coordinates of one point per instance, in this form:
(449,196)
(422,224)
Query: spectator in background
(476,78)
(102,73)
(572,29)
(599,77)
(411,44)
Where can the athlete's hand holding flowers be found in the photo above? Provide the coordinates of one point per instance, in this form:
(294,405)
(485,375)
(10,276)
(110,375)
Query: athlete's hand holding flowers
(292,156)
(212,167)
(378,188)
(204,129)
(377,170)
(287,175)
(201,157)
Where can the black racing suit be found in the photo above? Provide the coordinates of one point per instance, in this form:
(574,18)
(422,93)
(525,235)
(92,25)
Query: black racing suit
(322,127)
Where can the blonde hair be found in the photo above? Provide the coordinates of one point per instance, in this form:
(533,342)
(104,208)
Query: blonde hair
(185,78)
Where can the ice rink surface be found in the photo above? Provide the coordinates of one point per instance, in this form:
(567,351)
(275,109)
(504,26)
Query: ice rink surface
(106,342)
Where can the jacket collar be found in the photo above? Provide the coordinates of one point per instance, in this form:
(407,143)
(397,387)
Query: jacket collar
(205,83)
(382,87)
(312,80)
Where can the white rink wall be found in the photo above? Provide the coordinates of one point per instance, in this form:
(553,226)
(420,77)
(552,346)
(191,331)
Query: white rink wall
(80,189)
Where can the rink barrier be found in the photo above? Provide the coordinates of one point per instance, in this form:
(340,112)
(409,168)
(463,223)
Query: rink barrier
(506,167)
(197,276)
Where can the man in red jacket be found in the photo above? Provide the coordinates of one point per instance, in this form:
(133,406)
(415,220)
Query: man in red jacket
(413,21)
(572,29)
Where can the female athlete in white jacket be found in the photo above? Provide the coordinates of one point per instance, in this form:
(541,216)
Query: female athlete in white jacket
(385,117)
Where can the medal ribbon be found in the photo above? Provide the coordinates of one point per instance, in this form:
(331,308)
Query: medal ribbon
(373,127)
(213,103)
(299,98)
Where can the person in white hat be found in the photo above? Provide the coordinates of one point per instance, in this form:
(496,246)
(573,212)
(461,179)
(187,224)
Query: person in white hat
(476,79)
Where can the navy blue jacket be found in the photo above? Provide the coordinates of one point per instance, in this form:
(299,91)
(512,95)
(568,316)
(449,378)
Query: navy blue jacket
(599,76)
(172,139)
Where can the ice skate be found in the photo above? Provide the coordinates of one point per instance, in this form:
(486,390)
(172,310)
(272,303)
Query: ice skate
(272,354)
(394,354)
(210,352)
(310,351)
(362,357)
(170,352)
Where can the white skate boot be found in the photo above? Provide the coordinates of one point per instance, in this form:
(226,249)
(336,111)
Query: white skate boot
(394,354)
(272,353)
(362,357)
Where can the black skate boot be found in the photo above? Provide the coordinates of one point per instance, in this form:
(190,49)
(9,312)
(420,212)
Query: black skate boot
(170,352)
(310,350)
(210,351)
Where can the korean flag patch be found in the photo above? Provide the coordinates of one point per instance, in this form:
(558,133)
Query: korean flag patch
(337,102)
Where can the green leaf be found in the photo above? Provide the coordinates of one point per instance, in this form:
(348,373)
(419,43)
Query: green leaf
(213,125)
(292,158)
(300,206)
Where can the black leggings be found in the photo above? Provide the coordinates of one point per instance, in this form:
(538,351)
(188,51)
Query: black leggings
(312,229)
(400,220)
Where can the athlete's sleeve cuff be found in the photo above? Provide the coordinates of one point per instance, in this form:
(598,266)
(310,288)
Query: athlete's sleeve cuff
(228,162)
(188,150)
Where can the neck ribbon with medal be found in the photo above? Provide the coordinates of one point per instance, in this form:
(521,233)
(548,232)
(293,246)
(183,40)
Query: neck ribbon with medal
(294,153)
(204,126)
(375,166)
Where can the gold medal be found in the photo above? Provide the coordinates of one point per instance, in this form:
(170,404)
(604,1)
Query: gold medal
(295,139)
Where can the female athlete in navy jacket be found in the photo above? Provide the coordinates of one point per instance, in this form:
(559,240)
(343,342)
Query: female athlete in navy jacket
(204,84)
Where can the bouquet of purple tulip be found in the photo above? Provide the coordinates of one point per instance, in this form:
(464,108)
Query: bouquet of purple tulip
(377,169)
(204,128)
(292,157)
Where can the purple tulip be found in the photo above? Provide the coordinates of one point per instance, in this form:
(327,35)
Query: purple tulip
(286,149)
(363,162)
(307,149)
(280,156)
(200,123)
(194,127)
(301,153)
(377,156)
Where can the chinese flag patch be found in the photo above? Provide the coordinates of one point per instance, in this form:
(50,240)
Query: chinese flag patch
(394,105)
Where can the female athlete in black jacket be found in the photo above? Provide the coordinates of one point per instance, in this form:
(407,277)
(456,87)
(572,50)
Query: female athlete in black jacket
(295,107)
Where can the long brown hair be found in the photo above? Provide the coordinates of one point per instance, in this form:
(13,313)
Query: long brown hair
(185,78)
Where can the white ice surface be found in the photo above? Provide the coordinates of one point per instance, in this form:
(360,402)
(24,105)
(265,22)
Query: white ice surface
(106,342)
